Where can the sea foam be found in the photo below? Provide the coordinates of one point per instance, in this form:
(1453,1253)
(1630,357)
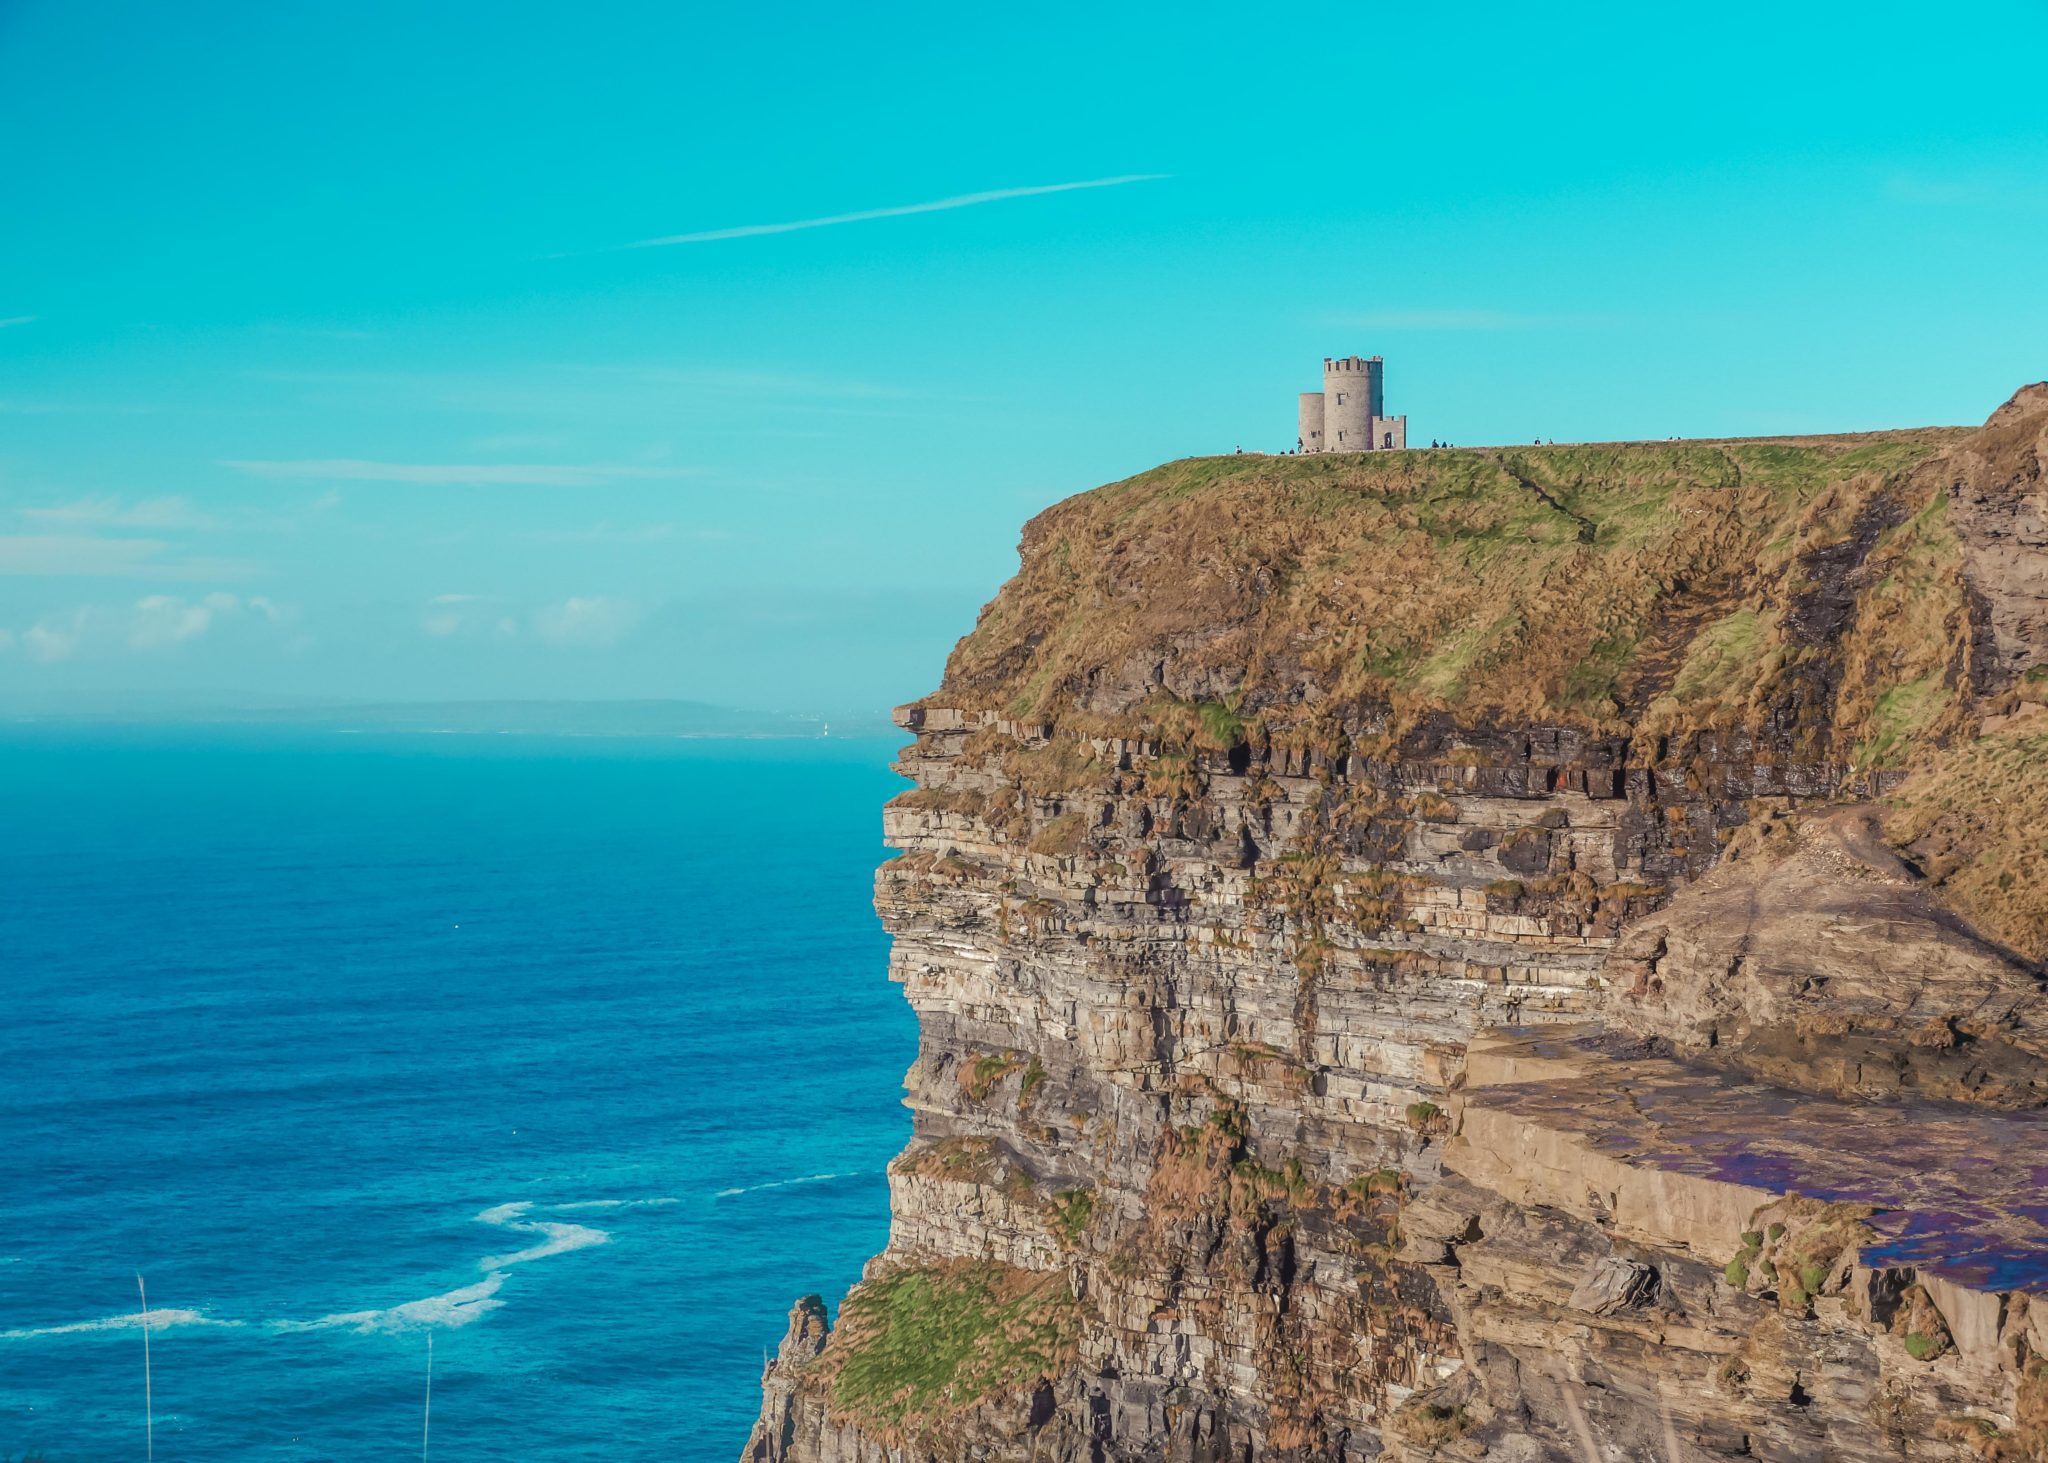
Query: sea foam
(444,1312)
(556,1238)
(159,1320)
(809,1178)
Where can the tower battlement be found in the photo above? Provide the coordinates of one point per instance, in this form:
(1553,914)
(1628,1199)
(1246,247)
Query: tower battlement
(1349,413)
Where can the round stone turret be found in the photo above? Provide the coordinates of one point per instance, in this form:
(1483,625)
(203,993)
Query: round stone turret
(1310,430)
(1353,395)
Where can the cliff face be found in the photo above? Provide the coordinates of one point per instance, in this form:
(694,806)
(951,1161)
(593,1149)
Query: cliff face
(1507,955)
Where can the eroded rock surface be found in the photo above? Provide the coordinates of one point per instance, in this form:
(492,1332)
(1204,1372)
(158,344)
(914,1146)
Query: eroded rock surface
(1407,965)
(1814,956)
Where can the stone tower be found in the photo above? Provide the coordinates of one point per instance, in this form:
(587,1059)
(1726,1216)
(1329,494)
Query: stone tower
(1310,432)
(1349,413)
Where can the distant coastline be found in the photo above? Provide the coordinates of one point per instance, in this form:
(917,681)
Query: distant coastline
(607,719)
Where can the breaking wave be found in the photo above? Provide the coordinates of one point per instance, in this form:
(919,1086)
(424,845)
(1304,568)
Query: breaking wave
(443,1312)
(159,1320)
(447,1311)
(809,1178)
(556,1238)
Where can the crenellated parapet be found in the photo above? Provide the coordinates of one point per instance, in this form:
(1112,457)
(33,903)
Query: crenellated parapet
(1350,413)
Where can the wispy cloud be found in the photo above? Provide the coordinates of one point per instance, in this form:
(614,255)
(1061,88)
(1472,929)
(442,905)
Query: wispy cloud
(17,320)
(166,619)
(112,512)
(445,614)
(57,554)
(585,621)
(55,638)
(530,474)
(101,512)
(746,382)
(156,622)
(868,215)
(87,556)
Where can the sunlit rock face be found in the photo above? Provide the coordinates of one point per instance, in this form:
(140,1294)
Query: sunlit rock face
(1410,959)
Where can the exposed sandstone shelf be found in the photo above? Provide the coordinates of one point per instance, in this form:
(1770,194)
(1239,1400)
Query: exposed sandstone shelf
(1960,1192)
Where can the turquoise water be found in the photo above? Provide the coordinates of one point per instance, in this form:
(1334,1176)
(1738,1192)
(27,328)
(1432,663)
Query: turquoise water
(576,1055)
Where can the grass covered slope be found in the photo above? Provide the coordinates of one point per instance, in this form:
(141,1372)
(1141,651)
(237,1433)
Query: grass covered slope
(1870,602)
(1975,820)
(1634,586)
(919,1344)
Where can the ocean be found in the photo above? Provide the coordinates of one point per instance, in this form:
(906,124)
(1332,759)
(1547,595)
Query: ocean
(575,1057)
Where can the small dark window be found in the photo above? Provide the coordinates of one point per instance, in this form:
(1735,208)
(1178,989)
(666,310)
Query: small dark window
(1340,398)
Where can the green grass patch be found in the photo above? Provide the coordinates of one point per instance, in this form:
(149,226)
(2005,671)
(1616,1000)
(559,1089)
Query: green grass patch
(1224,727)
(979,1077)
(1373,1185)
(1723,656)
(1591,683)
(1071,1212)
(915,1344)
(1034,1078)
(1900,714)
(1428,1119)
(1443,673)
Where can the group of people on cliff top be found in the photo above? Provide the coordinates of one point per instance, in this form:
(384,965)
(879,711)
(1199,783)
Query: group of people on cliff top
(1298,448)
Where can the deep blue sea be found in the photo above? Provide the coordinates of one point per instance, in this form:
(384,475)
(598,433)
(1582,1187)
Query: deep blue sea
(576,1055)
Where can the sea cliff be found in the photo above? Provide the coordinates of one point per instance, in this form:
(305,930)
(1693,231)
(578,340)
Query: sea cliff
(1511,954)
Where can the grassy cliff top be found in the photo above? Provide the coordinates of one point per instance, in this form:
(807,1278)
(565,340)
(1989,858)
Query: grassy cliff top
(1875,601)
(1630,586)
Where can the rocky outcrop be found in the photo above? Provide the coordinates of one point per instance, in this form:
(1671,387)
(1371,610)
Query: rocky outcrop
(1364,1016)
(1766,1274)
(1815,957)
(2001,513)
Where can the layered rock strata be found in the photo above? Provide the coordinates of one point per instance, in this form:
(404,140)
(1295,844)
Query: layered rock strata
(1674,1263)
(1247,865)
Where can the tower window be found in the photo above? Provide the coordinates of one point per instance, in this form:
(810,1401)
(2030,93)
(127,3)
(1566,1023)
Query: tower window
(1340,398)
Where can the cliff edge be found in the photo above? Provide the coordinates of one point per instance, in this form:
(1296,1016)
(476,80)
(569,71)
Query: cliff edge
(1513,955)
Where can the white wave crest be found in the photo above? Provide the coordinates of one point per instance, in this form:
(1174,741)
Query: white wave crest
(447,1311)
(443,1312)
(159,1320)
(556,1238)
(809,1178)
(614,1204)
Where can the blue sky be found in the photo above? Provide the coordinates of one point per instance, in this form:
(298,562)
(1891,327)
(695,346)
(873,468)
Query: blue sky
(328,367)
